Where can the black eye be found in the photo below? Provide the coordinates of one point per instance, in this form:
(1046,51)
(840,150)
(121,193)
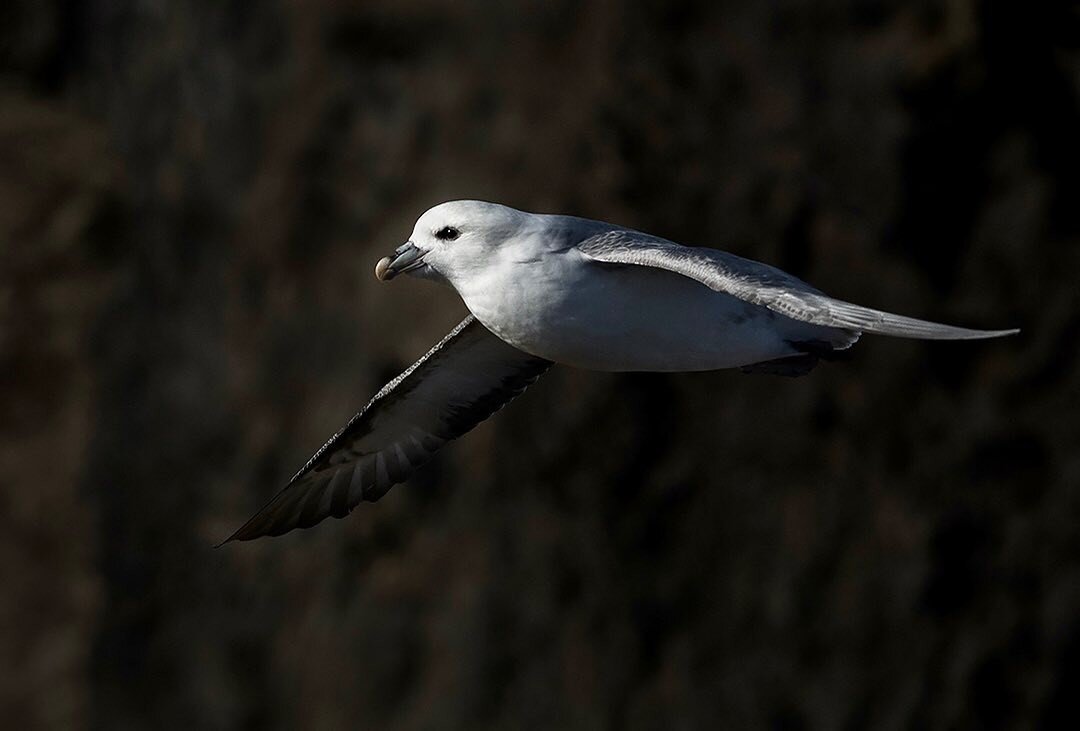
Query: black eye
(447,233)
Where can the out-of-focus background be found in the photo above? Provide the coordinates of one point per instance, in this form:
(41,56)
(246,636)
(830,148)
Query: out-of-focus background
(193,196)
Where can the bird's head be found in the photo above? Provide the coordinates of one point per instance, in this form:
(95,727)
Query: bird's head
(453,240)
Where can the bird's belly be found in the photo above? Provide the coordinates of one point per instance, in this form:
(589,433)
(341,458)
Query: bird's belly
(638,319)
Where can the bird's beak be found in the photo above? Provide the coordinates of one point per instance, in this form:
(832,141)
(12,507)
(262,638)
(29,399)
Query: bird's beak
(405,257)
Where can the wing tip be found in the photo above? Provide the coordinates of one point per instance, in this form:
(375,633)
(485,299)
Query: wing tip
(249,532)
(988,334)
(240,534)
(262,523)
(908,327)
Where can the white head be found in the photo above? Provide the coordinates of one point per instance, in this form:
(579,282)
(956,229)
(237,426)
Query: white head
(452,240)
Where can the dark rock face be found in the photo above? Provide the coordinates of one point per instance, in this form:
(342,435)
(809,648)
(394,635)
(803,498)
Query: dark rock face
(192,197)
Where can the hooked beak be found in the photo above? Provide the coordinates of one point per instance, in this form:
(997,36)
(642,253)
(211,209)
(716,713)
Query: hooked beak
(405,257)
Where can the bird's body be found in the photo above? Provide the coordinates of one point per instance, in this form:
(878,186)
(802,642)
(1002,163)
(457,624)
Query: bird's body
(544,289)
(628,318)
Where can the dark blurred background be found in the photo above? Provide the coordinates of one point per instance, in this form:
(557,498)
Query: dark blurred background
(193,196)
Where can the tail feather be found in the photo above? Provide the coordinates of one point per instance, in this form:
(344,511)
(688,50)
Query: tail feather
(821,349)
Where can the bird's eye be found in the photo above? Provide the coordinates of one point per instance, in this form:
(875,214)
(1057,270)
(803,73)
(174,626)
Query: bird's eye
(447,233)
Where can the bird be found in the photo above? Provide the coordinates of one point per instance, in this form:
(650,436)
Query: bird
(545,289)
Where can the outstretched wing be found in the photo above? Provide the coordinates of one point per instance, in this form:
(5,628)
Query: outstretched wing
(463,380)
(764,285)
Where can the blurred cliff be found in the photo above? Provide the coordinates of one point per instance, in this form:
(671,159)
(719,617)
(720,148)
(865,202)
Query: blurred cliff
(192,197)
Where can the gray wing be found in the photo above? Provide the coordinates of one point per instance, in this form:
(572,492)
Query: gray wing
(463,380)
(764,285)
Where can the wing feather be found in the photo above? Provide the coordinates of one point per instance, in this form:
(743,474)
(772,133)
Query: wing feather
(763,285)
(463,380)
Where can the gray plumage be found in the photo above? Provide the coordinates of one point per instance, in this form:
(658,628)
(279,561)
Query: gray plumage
(767,286)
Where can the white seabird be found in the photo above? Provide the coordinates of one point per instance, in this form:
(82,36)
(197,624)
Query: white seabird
(545,289)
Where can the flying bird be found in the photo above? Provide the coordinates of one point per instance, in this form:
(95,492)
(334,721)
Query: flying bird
(546,289)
